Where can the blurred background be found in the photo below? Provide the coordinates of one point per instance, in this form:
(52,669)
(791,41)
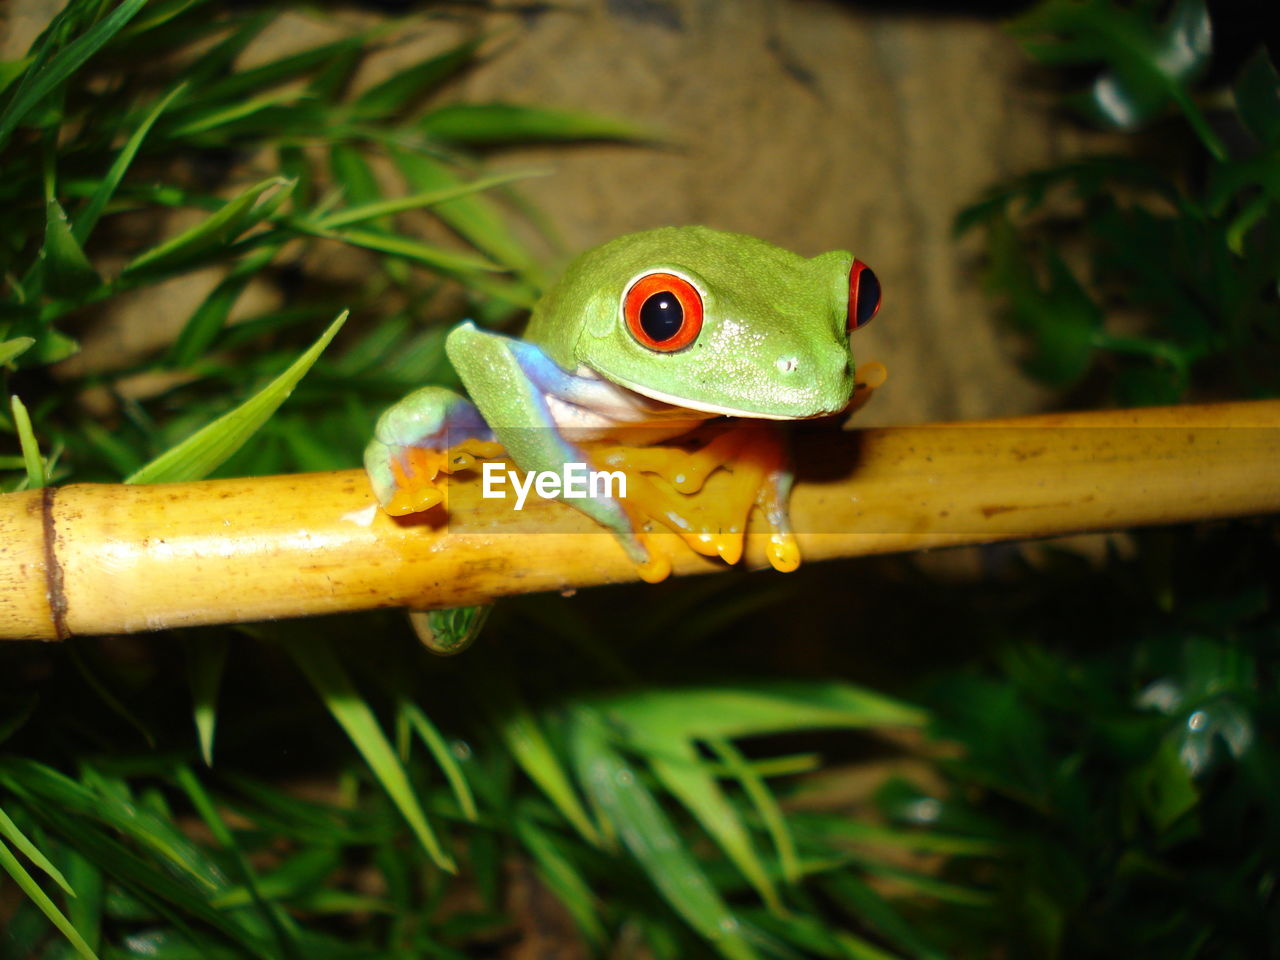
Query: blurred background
(1038,750)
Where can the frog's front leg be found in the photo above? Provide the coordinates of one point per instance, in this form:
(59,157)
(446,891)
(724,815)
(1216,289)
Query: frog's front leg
(510,382)
(430,432)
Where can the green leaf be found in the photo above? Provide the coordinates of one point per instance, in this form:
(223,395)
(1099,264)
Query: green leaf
(206,661)
(426,730)
(649,717)
(270,916)
(12,349)
(68,272)
(41,80)
(399,246)
(475,217)
(232,219)
(203,451)
(1257,94)
(9,831)
(399,91)
(111,805)
(317,660)
(32,889)
(236,87)
(679,769)
(562,878)
(30,447)
(766,805)
(209,318)
(876,911)
(1149,62)
(11,70)
(492,123)
(238,111)
(87,218)
(652,839)
(528,745)
(381,208)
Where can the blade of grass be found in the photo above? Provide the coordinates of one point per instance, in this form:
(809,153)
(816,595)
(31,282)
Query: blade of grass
(206,661)
(205,322)
(492,123)
(67,271)
(349,167)
(234,112)
(9,831)
(766,806)
(244,82)
(202,452)
(168,894)
(520,731)
(233,218)
(301,872)
(421,724)
(12,349)
(564,881)
(830,829)
(652,840)
(86,910)
(45,787)
(680,771)
(878,913)
(35,86)
(733,712)
(322,668)
(87,218)
(397,92)
(27,441)
(370,211)
(28,885)
(475,218)
(271,916)
(403,247)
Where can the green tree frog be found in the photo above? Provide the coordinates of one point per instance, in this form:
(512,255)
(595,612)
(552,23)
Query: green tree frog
(642,341)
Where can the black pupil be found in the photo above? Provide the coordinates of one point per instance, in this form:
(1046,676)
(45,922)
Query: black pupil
(868,296)
(661,316)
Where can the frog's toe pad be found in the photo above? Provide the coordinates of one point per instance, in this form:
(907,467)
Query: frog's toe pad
(414,471)
(783,552)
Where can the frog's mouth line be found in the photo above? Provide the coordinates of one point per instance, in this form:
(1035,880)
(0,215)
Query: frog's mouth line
(711,408)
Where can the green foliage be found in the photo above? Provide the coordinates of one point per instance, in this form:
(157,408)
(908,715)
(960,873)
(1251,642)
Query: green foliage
(1155,274)
(1131,778)
(1117,739)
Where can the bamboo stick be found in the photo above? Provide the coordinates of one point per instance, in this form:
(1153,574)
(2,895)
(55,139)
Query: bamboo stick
(100,558)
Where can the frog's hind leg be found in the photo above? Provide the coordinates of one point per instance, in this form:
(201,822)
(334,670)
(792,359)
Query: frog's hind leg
(430,432)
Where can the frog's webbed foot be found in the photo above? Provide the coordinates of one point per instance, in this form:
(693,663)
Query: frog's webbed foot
(668,499)
(416,473)
(431,432)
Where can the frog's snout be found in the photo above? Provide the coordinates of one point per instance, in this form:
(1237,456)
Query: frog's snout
(787,364)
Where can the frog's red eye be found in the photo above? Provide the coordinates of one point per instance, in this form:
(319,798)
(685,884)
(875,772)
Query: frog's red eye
(864,295)
(663,311)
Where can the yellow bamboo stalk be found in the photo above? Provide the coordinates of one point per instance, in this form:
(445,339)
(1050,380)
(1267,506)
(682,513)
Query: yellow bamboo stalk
(101,558)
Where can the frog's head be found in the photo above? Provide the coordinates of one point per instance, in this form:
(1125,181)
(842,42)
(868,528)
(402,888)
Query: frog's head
(716,322)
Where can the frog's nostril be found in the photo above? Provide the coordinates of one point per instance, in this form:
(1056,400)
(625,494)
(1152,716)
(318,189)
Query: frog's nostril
(787,364)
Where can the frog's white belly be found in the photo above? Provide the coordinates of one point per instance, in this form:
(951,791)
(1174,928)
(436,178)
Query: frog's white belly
(598,409)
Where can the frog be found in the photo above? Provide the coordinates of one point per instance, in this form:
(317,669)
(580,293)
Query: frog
(643,342)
